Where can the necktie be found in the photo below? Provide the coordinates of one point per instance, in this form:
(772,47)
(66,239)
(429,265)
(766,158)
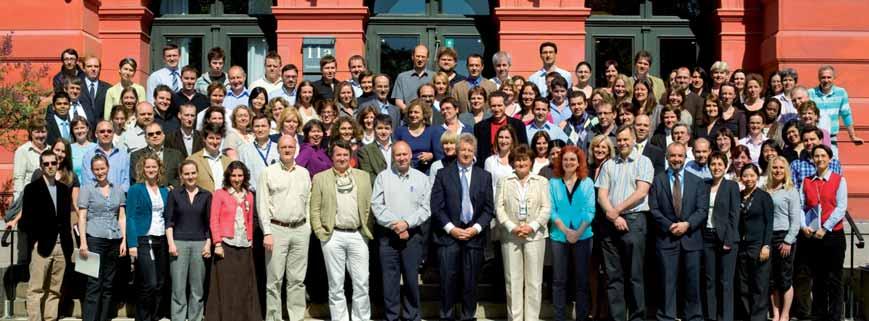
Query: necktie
(93,91)
(64,129)
(175,81)
(467,208)
(677,194)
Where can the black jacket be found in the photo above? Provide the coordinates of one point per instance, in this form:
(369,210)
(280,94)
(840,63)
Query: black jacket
(43,221)
(483,132)
(726,212)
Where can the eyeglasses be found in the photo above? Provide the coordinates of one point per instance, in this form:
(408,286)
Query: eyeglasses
(49,163)
(157,133)
(106,131)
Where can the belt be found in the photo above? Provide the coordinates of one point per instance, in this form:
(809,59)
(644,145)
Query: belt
(348,230)
(291,224)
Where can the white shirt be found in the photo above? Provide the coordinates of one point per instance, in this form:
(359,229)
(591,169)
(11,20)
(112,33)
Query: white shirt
(158,227)
(265,84)
(216,169)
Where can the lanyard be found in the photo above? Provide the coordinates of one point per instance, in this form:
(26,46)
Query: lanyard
(268,150)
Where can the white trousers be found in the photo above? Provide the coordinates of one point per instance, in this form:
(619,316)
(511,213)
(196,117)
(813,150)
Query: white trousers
(288,258)
(347,251)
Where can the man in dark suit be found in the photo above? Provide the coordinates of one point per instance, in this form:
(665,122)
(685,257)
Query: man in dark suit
(679,203)
(185,139)
(93,97)
(485,129)
(462,206)
(327,82)
(373,157)
(642,126)
(46,209)
(381,100)
(57,119)
(171,158)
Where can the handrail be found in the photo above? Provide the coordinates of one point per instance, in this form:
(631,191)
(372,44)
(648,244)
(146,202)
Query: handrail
(855,231)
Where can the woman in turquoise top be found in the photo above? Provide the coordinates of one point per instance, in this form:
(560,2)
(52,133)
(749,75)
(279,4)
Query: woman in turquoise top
(572,194)
(81,134)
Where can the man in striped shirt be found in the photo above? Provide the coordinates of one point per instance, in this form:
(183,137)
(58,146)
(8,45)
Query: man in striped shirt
(833,103)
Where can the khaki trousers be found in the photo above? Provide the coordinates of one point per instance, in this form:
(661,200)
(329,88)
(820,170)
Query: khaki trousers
(288,258)
(523,266)
(46,277)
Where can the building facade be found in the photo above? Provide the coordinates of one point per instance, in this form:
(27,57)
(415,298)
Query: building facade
(757,35)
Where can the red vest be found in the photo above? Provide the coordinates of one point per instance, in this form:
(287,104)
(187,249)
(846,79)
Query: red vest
(818,191)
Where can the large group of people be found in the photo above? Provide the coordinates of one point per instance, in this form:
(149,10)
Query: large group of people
(708,195)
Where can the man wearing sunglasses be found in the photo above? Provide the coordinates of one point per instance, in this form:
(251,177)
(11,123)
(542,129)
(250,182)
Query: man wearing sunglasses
(170,157)
(119,159)
(47,206)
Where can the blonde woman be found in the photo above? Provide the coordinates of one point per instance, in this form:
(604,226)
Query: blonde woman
(786,226)
(274,110)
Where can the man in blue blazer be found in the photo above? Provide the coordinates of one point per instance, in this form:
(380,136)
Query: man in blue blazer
(462,207)
(679,202)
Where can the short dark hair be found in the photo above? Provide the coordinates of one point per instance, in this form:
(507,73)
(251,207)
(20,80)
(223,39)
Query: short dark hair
(498,93)
(46,153)
(548,44)
(216,53)
(162,87)
(288,67)
(340,143)
(168,47)
(128,61)
(719,156)
(328,59)
(212,129)
(306,130)
(69,51)
(357,57)
(642,54)
(521,152)
(59,95)
(812,129)
(450,100)
(474,55)
(825,148)
(447,51)
(628,128)
(273,55)
(383,119)
(190,68)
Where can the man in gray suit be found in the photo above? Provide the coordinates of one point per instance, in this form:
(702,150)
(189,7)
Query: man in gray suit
(171,158)
(679,203)
(381,100)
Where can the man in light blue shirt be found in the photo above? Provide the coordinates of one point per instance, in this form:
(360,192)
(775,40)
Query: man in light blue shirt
(119,159)
(400,205)
(541,113)
(357,66)
(833,103)
(289,76)
(169,75)
(548,54)
(406,83)
(237,93)
(699,165)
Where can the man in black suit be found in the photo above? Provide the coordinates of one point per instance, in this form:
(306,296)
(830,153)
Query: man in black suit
(186,138)
(642,125)
(170,157)
(679,203)
(381,100)
(462,206)
(46,209)
(57,119)
(93,97)
(483,130)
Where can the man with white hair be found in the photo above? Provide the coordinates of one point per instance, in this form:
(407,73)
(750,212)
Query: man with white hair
(502,61)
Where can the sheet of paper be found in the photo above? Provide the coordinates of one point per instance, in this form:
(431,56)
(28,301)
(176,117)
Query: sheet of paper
(89,266)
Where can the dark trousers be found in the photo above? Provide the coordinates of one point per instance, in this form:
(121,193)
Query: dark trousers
(400,258)
(152,273)
(753,278)
(455,258)
(98,296)
(623,254)
(802,281)
(828,255)
(676,261)
(562,255)
(720,269)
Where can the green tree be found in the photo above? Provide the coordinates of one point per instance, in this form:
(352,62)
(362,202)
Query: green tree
(20,96)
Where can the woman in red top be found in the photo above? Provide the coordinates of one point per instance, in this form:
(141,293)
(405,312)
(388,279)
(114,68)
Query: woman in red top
(823,235)
(233,294)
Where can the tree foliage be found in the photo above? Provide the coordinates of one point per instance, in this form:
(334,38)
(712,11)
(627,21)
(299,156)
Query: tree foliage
(20,96)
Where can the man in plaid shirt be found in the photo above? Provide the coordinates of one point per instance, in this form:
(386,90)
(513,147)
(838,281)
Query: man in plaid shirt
(803,167)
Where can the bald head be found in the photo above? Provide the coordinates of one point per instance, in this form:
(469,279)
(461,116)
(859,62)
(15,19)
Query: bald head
(401,155)
(287,149)
(420,57)
(236,79)
(643,126)
(702,149)
(144,114)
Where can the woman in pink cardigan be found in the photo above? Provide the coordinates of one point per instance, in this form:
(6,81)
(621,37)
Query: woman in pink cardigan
(232,294)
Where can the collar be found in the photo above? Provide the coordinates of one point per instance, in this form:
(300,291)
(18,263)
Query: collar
(185,135)
(243,93)
(546,125)
(382,146)
(502,122)
(291,92)
(284,167)
(531,177)
(681,171)
(337,174)
(32,147)
(265,146)
(108,153)
(399,174)
(207,155)
(631,157)
(825,177)
(424,73)
(822,93)
(158,150)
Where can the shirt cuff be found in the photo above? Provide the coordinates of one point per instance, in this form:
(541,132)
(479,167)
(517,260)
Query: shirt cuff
(449,227)
(478,228)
